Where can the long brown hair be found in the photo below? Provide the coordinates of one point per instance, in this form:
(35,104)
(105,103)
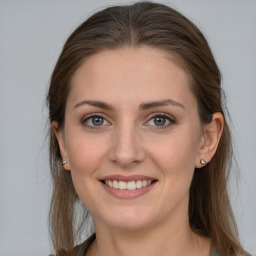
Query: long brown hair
(161,27)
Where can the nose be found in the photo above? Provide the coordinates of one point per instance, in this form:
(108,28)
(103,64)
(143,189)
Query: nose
(126,147)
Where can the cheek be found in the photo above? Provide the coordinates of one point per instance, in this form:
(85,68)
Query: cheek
(176,161)
(85,156)
(84,153)
(175,158)
(176,153)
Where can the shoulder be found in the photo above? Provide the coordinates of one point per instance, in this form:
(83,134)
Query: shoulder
(80,249)
(214,253)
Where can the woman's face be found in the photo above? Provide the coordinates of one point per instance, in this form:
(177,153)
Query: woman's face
(131,137)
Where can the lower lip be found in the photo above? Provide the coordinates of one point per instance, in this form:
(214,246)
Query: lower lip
(128,194)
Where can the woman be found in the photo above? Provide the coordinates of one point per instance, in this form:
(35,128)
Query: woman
(139,136)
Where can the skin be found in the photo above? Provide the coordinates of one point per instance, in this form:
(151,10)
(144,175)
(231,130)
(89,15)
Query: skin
(128,142)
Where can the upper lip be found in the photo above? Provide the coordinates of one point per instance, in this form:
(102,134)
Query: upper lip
(127,178)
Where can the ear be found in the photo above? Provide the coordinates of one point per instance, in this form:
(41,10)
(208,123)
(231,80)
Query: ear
(59,133)
(210,139)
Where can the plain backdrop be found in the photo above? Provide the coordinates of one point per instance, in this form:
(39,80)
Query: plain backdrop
(32,34)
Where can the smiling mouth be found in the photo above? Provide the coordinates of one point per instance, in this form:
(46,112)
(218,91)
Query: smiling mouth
(130,185)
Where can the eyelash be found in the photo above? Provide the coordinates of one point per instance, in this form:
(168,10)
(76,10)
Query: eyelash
(170,119)
(87,118)
(161,115)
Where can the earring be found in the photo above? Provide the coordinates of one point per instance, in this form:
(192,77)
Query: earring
(64,162)
(202,162)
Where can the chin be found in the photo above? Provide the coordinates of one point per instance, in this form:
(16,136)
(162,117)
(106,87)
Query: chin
(129,221)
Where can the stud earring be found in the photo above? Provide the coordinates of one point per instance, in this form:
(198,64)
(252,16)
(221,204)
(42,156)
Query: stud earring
(64,162)
(202,162)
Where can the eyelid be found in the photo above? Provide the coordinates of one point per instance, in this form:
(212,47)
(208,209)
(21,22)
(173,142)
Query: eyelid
(161,114)
(87,117)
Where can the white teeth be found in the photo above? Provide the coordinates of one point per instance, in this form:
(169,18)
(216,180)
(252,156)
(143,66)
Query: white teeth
(115,184)
(130,185)
(139,184)
(122,185)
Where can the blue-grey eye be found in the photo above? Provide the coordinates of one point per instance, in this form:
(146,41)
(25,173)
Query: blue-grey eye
(160,120)
(95,121)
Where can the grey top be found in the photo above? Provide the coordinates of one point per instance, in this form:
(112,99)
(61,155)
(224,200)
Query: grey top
(82,249)
(214,253)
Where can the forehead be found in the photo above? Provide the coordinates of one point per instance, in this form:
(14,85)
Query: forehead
(131,59)
(141,74)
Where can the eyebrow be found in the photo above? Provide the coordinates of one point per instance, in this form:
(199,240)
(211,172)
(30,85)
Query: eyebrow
(153,104)
(95,103)
(142,106)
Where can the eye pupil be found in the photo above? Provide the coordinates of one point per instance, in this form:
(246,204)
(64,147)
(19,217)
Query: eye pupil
(97,121)
(159,121)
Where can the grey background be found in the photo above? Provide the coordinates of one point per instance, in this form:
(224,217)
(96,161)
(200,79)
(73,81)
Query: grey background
(31,36)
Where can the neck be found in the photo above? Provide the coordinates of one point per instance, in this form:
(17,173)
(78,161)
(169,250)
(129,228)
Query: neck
(150,241)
